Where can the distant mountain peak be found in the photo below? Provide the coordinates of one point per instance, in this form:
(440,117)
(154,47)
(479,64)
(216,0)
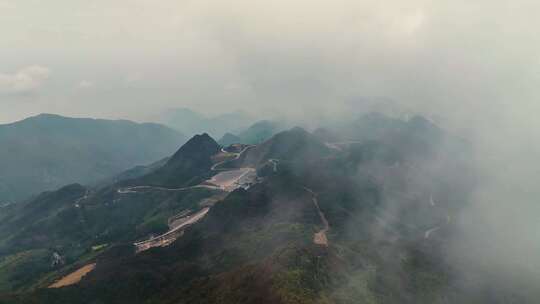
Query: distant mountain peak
(192,122)
(198,140)
(293,144)
(229,139)
(299,130)
(421,122)
(40,118)
(198,144)
(193,159)
(47,115)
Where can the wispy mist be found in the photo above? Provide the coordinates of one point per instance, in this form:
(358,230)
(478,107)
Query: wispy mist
(460,59)
(472,66)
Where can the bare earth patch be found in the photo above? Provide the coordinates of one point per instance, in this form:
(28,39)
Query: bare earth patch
(230,180)
(74,277)
(319,238)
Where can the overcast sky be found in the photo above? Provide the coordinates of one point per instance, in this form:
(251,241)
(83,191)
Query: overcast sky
(131,58)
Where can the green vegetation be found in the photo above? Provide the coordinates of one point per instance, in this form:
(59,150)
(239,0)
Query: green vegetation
(23,268)
(48,151)
(259,132)
(78,232)
(188,166)
(256,245)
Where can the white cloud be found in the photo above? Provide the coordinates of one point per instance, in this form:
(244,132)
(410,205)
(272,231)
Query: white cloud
(410,24)
(25,79)
(85,84)
(133,78)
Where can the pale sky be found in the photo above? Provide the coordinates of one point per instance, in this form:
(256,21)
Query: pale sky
(131,58)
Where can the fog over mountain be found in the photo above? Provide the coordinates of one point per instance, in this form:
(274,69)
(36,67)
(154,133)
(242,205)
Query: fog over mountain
(471,67)
(100,59)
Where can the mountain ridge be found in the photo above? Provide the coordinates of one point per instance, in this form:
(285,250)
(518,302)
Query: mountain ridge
(363,219)
(46,151)
(186,165)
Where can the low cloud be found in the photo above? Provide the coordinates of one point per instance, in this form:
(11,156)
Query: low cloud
(85,84)
(133,78)
(24,80)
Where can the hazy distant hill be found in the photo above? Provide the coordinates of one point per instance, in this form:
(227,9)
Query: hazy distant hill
(229,139)
(255,134)
(292,145)
(48,151)
(190,122)
(259,132)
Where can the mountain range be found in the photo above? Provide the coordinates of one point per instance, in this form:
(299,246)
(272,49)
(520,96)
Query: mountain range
(257,133)
(352,214)
(47,151)
(190,122)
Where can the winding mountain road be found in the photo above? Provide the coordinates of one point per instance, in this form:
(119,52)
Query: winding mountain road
(139,189)
(217,182)
(430,231)
(82,198)
(163,239)
(237,156)
(431,201)
(319,238)
(227,180)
